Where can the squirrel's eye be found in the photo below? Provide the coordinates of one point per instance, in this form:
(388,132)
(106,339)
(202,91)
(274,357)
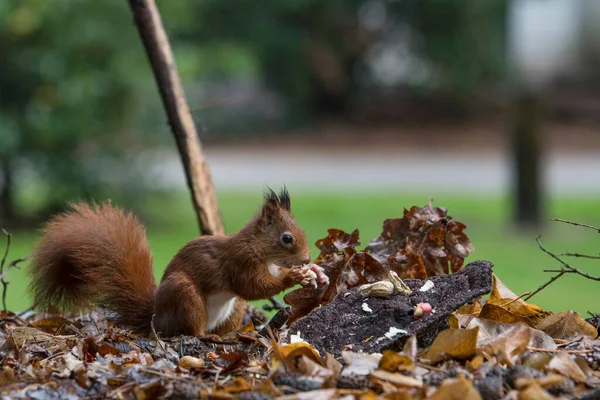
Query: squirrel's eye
(287,239)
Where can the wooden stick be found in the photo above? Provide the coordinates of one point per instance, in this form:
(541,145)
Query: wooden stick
(149,24)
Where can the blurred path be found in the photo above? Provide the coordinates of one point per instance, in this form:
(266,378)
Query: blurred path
(378,169)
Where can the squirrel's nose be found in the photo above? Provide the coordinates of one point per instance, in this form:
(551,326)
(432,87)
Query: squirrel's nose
(306,260)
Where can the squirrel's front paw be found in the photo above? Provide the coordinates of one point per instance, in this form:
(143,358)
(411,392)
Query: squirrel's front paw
(301,275)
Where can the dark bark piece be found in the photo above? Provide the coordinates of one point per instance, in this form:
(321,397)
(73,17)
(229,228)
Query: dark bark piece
(277,321)
(344,321)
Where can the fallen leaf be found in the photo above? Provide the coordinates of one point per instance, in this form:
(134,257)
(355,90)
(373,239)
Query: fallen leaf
(503,297)
(460,344)
(489,330)
(397,378)
(392,360)
(567,325)
(458,388)
(505,342)
(238,385)
(535,392)
(497,313)
(565,365)
(359,363)
(291,351)
(231,361)
(426,241)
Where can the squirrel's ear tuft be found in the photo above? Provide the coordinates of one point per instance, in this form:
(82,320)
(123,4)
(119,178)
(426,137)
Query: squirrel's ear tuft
(284,199)
(271,207)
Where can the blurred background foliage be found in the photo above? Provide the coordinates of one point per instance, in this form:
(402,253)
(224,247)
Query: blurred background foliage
(78,101)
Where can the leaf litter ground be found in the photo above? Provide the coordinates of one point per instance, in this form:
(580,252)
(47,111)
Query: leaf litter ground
(365,334)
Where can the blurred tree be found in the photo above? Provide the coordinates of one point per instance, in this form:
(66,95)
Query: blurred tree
(527,133)
(75,82)
(69,76)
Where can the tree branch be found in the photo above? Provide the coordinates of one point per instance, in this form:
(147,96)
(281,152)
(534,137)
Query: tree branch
(576,224)
(149,24)
(567,254)
(565,269)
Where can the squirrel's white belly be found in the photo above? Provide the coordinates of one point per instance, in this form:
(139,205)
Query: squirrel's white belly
(218,308)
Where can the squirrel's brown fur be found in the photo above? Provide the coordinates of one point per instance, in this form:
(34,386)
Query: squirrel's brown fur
(98,255)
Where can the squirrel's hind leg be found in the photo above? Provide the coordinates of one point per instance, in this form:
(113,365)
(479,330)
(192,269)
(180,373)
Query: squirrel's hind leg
(235,318)
(179,307)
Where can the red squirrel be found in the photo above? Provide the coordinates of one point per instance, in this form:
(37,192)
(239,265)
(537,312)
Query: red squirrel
(98,255)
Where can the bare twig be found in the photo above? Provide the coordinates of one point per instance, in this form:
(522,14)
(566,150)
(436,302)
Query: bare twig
(559,350)
(149,24)
(566,269)
(516,299)
(158,342)
(5,283)
(13,264)
(567,254)
(211,340)
(576,224)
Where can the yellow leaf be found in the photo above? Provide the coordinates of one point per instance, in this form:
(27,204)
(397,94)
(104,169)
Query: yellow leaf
(291,351)
(460,344)
(496,313)
(458,388)
(392,360)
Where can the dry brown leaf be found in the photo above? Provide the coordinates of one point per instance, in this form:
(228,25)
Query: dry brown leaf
(488,330)
(459,388)
(544,382)
(567,325)
(506,342)
(392,361)
(426,241)
(291,351)
(238,385)
(502,296)
(497,313)
(7,376)
(470,309)
(322,394)
(25,334)
(337,253)
(535,392)
(460,344)
(565,365)
(397,379)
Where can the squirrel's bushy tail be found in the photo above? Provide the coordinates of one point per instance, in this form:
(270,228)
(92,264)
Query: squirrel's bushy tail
(95,255)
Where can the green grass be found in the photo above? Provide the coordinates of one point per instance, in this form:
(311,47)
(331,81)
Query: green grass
(517,258)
